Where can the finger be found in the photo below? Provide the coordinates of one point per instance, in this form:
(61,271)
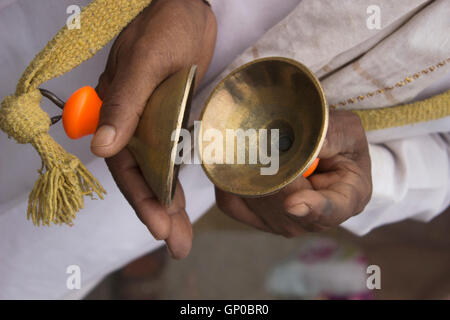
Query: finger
(338,168)
(271,211)
(329,207)
(179,242)
(299,183)
(125,99)
(343,190)
(236,208)
(131,183)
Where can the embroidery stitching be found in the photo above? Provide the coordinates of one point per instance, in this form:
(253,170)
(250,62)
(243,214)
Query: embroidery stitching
(399,84)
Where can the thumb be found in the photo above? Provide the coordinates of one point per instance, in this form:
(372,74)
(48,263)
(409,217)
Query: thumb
(124,103)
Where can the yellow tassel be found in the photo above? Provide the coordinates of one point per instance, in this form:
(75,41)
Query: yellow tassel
(64,181)
(59,193)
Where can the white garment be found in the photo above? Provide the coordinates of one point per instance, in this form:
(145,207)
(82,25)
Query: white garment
(107,235)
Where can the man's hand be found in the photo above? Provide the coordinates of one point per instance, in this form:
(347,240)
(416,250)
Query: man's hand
(166,37)
(339,189)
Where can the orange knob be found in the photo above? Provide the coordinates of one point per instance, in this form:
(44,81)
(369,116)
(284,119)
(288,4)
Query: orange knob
(311,169)
(81,113)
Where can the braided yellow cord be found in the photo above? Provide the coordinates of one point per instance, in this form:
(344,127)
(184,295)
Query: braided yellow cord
(64,181)
(430,109)
(101,21)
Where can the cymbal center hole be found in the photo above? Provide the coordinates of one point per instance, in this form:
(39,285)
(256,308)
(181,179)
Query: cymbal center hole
(286,136)
(285,143)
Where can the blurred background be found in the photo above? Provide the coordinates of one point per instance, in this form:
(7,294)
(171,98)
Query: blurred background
(230,261)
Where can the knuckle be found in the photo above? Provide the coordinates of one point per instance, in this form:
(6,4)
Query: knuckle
(112,107)
(146,50)
(141,47)
(155,59)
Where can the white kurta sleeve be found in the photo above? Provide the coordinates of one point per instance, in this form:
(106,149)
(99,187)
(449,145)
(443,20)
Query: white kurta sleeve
(411,179)
(410,171)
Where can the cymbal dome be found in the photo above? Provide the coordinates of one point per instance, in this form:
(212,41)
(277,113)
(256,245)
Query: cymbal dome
(269,93)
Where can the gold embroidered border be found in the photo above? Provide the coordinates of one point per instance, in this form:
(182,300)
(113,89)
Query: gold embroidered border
(399,84)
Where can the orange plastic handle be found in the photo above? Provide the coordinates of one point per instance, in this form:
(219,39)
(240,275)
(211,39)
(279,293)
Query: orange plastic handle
(81,113)
(311,169)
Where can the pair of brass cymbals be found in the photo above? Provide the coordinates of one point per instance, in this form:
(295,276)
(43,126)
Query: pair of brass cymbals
(268,93)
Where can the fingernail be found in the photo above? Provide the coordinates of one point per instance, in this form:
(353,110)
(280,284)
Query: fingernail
(104,136)
(299,210)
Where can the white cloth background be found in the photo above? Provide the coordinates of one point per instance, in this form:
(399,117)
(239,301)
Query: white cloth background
(107,234)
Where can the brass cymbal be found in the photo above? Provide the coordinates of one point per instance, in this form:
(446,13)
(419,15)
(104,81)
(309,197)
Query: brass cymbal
(268,93)
(153,145)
